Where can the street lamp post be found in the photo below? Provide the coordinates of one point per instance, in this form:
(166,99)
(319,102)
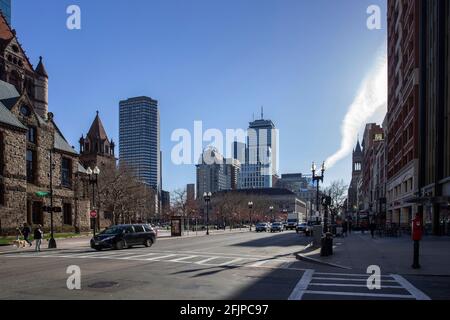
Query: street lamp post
(93,180)
(271,213)
(250,207)
(318,179)
(207,198)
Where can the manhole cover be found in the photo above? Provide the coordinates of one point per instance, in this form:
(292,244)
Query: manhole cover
(104,284)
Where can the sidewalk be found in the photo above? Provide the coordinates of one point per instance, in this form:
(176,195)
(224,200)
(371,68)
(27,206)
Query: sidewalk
(393,255)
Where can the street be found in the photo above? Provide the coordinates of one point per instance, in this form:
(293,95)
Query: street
(230,266)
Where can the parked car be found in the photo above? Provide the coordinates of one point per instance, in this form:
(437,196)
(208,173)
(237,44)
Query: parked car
(277,227)
(262,227)
(124,236)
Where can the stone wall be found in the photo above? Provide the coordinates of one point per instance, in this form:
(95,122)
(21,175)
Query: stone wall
(13,178)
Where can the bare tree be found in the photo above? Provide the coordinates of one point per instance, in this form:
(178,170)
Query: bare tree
(121,193)
(338,193)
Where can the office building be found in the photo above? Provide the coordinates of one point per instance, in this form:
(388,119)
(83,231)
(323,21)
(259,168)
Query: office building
(261,155)
(139,139)
(402,136)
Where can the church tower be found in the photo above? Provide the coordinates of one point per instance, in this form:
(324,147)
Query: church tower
(96,149)
(357,160)
(41,90)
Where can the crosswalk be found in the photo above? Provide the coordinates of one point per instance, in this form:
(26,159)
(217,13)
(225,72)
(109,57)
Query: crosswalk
(320,285)
(147,256)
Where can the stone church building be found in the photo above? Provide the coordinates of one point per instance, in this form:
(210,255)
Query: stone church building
(36,161)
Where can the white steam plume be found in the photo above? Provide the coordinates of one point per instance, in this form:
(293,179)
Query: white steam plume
(371,97)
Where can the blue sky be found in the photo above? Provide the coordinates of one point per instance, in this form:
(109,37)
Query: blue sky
(209,60)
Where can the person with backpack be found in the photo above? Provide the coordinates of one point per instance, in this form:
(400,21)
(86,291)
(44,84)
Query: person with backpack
(38,235)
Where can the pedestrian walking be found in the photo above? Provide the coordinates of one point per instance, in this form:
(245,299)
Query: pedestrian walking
(38,235)
(372,227)
(26,231)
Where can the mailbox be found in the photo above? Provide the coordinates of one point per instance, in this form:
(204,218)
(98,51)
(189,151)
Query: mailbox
(417,229)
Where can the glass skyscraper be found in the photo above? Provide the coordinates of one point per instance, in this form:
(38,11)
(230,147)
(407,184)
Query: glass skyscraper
(261,155)
(5,7)
(139,139)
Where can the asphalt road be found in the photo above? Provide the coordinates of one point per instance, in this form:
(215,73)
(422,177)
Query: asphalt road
(220,267)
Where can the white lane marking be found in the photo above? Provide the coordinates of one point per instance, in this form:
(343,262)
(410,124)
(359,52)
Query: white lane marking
(259,263)
(350,285)
(357,294)
(302,285)
(207,260)
(138,256)
(348,274)
(160,257)
(229,263)
(182,259)
(347,279)
(416,293)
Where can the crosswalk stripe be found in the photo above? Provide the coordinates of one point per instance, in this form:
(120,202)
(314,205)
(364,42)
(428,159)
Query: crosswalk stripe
(350,285)
(182,259)
(228,263)
(416,293)
(138,256)
(347,279)
(207,260)
(359,294)
(302,285)
(259,263)
(348,274)
(160,257)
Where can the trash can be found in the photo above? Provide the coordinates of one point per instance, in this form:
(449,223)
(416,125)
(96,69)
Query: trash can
(327,245)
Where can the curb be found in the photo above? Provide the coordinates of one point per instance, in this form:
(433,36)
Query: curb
(317,261)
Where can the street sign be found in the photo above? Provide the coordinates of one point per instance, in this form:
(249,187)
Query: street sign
(93,214)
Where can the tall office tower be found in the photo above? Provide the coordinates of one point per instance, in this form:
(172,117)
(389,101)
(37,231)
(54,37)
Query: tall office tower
(403,109)
(261,156)
(139,135)
(5,7)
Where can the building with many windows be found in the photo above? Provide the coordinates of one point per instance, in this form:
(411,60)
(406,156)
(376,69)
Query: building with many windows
(402,134)
(212,173)
(261,155)
(139,138)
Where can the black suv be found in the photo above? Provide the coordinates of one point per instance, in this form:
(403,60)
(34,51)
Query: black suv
(124,236)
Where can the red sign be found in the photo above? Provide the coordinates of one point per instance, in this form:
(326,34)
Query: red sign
(417,229)
(93,214)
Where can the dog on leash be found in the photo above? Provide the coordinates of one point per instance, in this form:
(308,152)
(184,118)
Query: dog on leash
(20,243)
